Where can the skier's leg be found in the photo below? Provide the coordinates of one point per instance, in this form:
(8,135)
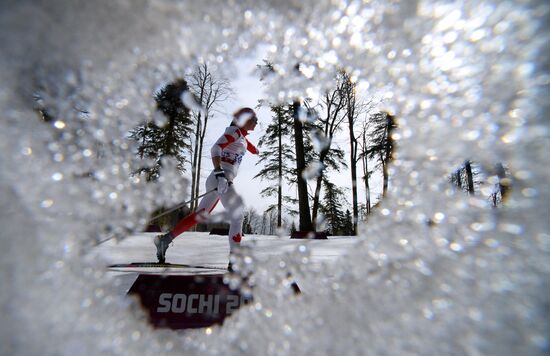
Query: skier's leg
(206,205)
(234,205)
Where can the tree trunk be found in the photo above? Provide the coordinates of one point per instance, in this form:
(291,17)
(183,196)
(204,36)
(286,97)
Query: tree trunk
(354,197)
(316,199)
(351,104)
(367,190)
(303,199)
(353,169)
(384,179)
(194,165)
(318,185)
(199,164)
(331,125)
(196,154)
(366,174)
(388,152)
(280,187)
(264,222)
(469,176)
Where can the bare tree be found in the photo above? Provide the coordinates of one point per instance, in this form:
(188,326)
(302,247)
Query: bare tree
(363,156)
(334,104)
(352,112)
(269,222)
(255,221)
(210,90)
(355,107)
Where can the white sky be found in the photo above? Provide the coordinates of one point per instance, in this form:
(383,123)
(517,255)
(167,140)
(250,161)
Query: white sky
(248,90)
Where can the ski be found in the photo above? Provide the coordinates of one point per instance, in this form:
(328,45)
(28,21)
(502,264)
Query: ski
(163,265)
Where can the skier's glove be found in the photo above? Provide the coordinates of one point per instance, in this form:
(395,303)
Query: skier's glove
(223,184)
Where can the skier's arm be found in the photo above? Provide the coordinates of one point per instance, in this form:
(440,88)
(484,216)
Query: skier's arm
(251,148)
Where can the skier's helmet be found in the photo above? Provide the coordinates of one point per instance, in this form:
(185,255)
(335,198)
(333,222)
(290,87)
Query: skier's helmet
(241,116)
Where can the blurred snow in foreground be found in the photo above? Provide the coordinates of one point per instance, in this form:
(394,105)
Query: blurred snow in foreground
(466,80)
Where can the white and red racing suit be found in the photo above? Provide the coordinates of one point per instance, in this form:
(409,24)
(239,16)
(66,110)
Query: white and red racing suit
(230,147)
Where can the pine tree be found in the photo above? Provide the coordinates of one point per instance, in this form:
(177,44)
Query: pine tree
(347,224)
(332,208)
(381,143)
(276,155)
(302,149)
(171,139)
(293,227)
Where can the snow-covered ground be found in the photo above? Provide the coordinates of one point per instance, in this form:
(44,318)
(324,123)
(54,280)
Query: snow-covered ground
(200,248)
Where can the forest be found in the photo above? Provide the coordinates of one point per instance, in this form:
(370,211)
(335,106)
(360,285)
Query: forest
(298,153)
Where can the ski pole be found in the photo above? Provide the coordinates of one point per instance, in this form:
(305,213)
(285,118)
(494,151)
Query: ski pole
(160,215)
(180,205)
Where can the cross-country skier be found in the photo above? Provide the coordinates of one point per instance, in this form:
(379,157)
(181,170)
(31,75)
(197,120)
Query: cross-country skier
(227,154)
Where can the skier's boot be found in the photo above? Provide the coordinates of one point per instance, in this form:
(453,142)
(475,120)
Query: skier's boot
(162,242)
